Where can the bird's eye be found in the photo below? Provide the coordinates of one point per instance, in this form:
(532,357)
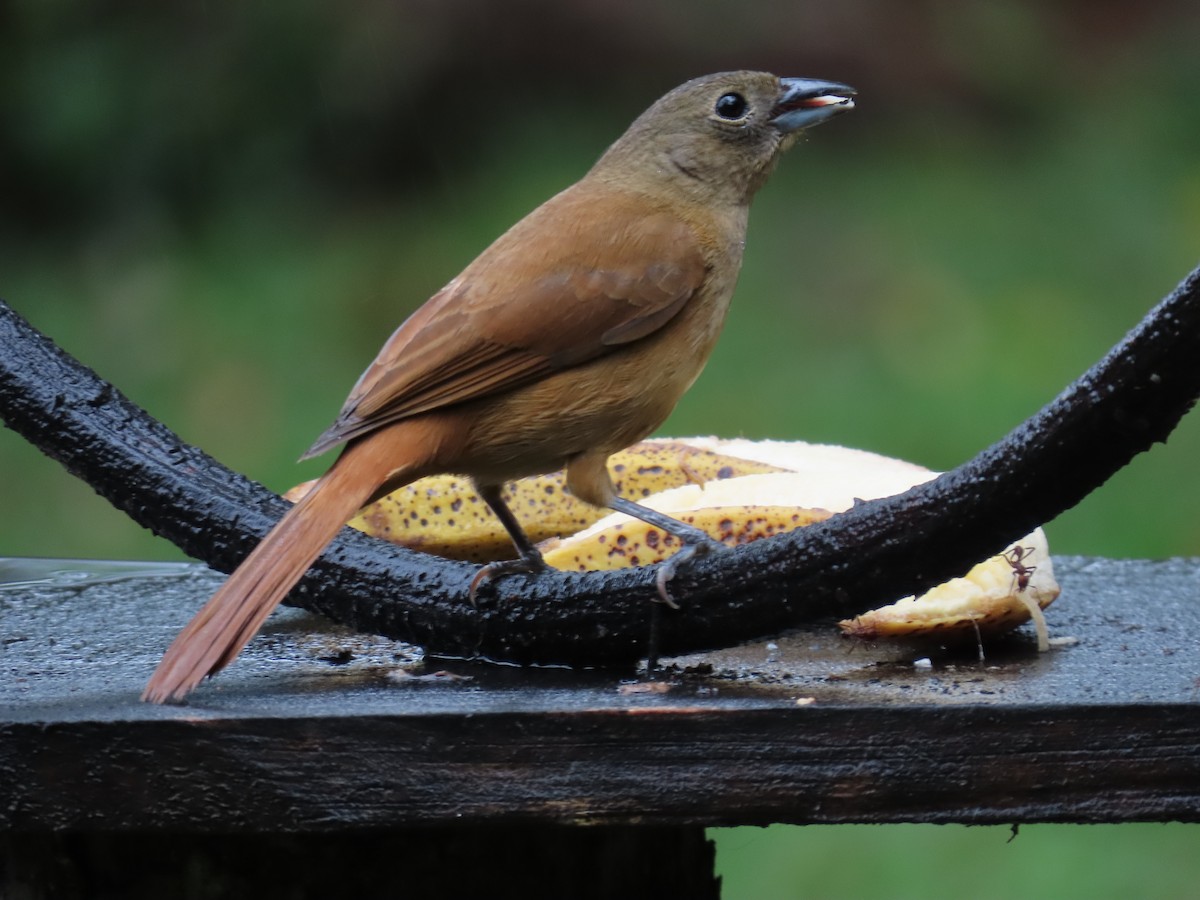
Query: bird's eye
(731,106)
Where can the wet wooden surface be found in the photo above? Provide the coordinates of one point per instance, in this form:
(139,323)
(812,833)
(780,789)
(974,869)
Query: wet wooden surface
(316,729)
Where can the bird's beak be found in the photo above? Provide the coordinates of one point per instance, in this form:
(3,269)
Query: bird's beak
(805,102)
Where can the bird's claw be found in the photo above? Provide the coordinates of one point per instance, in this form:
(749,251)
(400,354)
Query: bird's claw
(525,565)
(686,554)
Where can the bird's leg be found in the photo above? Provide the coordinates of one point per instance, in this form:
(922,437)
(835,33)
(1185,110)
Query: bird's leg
(695,542)
(588,479)
(530,558)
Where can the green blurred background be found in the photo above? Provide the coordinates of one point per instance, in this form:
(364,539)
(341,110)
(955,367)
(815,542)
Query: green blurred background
(225,208)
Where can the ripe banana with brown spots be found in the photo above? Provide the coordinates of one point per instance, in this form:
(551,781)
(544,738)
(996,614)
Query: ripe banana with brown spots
(737,491)
(631,542)
(996,596)
(444,516)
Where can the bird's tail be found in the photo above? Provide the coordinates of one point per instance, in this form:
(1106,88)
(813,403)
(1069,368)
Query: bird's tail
(225,624)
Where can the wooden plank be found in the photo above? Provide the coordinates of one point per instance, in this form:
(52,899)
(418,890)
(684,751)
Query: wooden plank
(312,730)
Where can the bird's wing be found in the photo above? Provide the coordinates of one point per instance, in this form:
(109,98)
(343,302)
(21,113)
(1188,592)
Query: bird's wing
(576,279)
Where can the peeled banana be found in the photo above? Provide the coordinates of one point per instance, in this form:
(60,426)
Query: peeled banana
(737,491)
(996,596)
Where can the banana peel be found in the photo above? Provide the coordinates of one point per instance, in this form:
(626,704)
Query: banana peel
(444,516)
(737,491)
(995,596)
(631,542)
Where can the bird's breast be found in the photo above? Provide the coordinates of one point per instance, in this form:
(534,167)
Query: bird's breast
(602,406)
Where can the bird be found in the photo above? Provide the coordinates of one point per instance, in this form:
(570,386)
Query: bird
(572,336)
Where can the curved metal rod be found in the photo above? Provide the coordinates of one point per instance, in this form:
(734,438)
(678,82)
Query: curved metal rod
(873,553)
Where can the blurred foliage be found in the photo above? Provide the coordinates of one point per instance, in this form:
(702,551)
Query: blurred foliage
(950,862)
(225,208)
(194,198)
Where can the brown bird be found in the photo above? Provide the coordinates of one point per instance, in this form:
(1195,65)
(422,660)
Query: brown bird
(570,337)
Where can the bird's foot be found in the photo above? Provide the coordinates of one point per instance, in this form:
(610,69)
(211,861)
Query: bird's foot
(695,546)
(696,542)
(528,564)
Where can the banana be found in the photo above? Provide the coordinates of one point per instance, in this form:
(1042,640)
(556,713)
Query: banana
(443,515)
(737,491)
(631,542)
(996,596)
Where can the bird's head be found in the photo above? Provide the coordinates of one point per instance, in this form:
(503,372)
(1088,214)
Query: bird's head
(719,136)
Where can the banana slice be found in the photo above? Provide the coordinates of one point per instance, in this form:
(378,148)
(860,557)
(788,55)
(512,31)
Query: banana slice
(996,596)
(443,515)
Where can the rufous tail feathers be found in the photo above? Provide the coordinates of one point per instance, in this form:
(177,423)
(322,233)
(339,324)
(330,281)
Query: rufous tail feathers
(232,616)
